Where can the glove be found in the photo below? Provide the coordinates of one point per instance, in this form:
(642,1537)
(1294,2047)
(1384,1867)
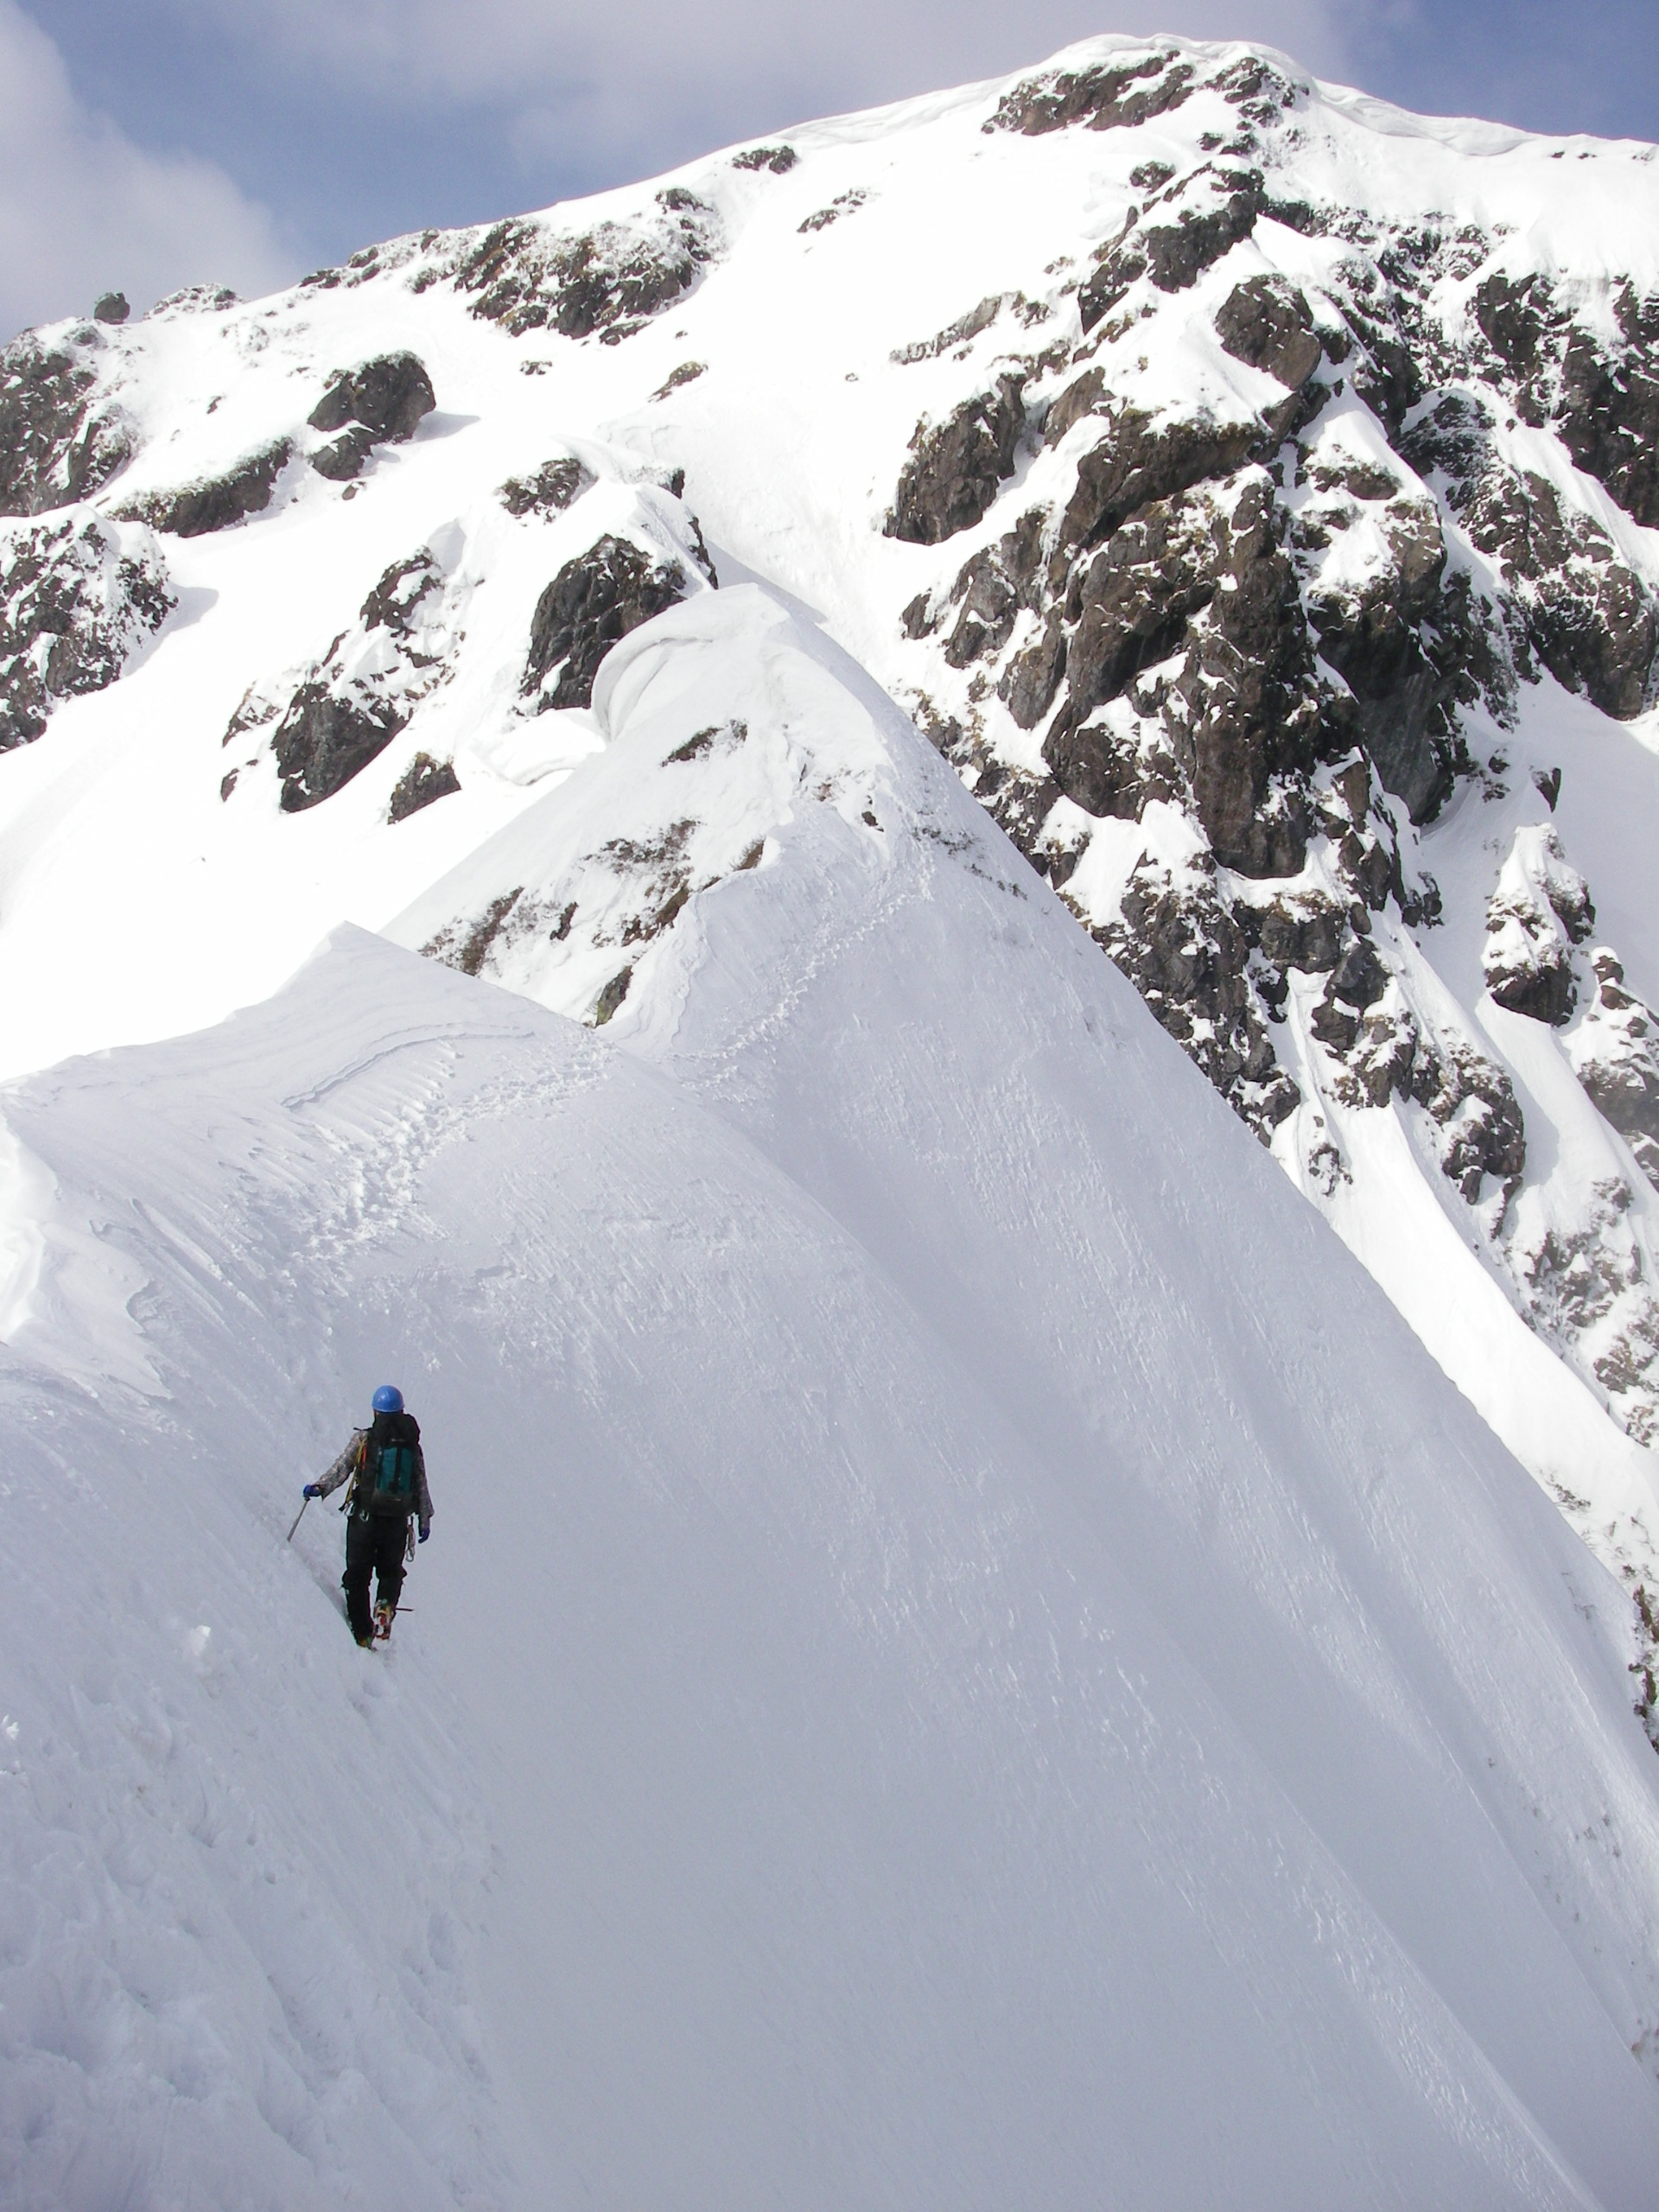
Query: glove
(312,1490)
(426,1530)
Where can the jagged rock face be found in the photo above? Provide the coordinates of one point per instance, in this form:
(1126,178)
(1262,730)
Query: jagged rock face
(1268,323)
(326,724)
(61,437)
(610,281)
(1539,912)
(1614,1054)
(555,484)
(382,403)
(424,780)
(217,502)
(1282,624)
(78,596)
(594,600)
(952,475)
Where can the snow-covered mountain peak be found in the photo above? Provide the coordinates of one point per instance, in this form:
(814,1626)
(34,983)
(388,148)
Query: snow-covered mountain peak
(790,618)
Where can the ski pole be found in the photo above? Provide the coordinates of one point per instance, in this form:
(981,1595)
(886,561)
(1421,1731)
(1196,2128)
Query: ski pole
(298,1517)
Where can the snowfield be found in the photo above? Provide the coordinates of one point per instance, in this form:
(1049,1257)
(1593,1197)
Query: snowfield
(972,1653)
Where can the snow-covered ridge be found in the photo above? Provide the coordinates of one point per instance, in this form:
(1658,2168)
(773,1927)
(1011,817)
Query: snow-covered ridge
(935,1678)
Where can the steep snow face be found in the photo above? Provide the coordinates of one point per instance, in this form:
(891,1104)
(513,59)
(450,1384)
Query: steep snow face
(961,1660)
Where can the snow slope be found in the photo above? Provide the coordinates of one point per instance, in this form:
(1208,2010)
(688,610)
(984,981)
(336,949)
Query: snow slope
(967,1655)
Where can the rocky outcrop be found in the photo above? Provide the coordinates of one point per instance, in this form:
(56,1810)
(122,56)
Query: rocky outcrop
(1405,647)
(555,485)
(609,281)
(327,722)
(1103,100)
(383,401)
(424,780)
(1172,256)
(215,502)
(77,597)
(1187,957)
(330,734)
(111,306)
(955,467)
(594,600)
(1540,911)
(61,436)
(1266,323)
(1614,1054)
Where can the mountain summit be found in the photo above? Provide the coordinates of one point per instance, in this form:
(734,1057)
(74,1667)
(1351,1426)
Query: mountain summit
(970,1655)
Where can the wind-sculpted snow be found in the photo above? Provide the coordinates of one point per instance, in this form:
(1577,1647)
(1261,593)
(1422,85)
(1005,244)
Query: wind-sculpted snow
(937,1678)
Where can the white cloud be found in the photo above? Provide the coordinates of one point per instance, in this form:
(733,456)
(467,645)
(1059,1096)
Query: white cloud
(84,210)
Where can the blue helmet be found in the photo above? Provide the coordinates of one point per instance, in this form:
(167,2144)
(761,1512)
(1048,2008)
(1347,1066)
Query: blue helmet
(388,1399)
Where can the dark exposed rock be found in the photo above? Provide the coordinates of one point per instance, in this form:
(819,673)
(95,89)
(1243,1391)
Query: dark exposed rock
(1140,459)
(1541,909)
(1136,597)
(111,306)
(1151,176)
(1516,320)
(612,996)
(1588,617)
(991,587)
(1188,959)
(1082,397)
(1104,98)
(954,334)
(1033,677)
(329,734)
(610,280)
(952,475)
(1543,989)
(555,485)
(1253,710)
(1268,323)
(1382,635)
(778,159)
(382,401)
(1178,253)
(1608,419)
(1615,1055)
(216,502)
(61,439)
(594,600)
(342,459)
(423,781)
(687,372)
(390,396)
(1118,266)
(1473,1102)
(73,609)
(1548,784)
(392,603)
(1308,935)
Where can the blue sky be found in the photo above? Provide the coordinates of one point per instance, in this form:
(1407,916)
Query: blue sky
(151,142)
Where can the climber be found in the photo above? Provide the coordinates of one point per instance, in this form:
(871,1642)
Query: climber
(387,1472)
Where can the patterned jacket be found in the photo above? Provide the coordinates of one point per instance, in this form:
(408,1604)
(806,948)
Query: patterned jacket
(350,1459)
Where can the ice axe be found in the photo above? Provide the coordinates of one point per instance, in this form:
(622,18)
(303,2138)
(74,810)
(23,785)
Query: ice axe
(300,1516)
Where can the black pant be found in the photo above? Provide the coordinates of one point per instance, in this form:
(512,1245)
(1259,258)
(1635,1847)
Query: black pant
(374,1545)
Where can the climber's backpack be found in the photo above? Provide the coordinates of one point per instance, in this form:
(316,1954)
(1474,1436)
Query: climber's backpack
(387,1476)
